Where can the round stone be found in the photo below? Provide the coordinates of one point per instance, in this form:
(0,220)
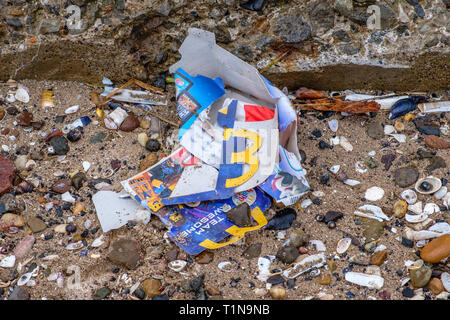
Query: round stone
(404,177)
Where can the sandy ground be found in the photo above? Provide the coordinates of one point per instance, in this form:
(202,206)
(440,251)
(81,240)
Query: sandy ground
(97,270)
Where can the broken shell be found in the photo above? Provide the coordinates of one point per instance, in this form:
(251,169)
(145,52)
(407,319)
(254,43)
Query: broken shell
(61,228)
(388,129)
(421,235)
(365,280)
(225,266)
(72,109)
(445,278)
(344,143)
(335,169)
(428,185)
(305,265)
(47,99)
(97,242)
(416,208)
(409,196)
(431,208)
(343,245)
(371,211)
(75,245)
(319,245)
(374,194)
(441,193)
(359,167)
(79,206)
(24,279)
(177,265)
(416,218)
(22,95)
(351,182)
(277,292)
(399,126)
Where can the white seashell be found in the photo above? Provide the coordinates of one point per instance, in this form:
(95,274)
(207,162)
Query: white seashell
(409,196)
(22,94)
(75,245)
(60,280)
(381,247)
(281,235)
(335,169)
(48,206)
(72,109)
(351,182)
(118,116)
(373,270)
(88,224)
(416,218)
(431,208)
(441,193)
(60,228)
(446,200)
(263,264)
(403,282)
(97,242)
(307,264)
(24,279)
(30,164)
(401,138)
(421,235)
(359,167)
(344,143)
(86,166)
(388,129)
(333,125)
(225,266)
(8,262)
(177,265)
(441,227)
(365,280)
(334,141)
(110,124)
(259,292)
(142,139)
(416,208)
(53,276)
(343,245)
(67,197)
(421,243)
(305,203)
(50,257)
(318,193)
(445,278)
(435,183)
(374,194)
(372,211)
(10,98)
(444,295)
(319,245)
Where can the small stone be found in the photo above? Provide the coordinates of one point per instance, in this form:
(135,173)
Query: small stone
(324,279)
(282,220)
(436,250)
(299,238)
(7,172)
(149,161)
(36,224)
(435,142)
(287,254)
(400,208)
(98,137)
(375,130)
(324,178)
(332,216)
(125,252)
(130,123)
(75,134)
(12,204)
(277,292)
(371,163)
(19,293)
(423,154)
(101,293)
(373,229)
(60,145)
(205,257)
(436,163)
(21,162)
(240,215)
(151,287)
(25,119)
(212,291)
(142,139)
(407,243)
(420,276)
(436,286)
(62,186)
(9,220)
(78,180)
(139,293)
(152,145)
(404,177)
(24,246)
(378,258)
(429,130)
(253,251)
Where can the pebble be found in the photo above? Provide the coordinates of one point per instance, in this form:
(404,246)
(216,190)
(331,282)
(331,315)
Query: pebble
(437,249)
(152,287)
(23,247)
(36,224)
(332,216)
(287,254)
(25,119)
(282,220)
(240,215)
(142,139)
(436,286)
(152,145)
(125,252)
(150,160)
(62,186)
(9,220)
(404,177)
(420,276)
(145,123)
(75,134)
(400,208)
(436,163)
(205,257)
(19,293)
(7,172)
(435,142)
(253,251)
(333,125)
(101,293)
(130,123)
(60,145)
(21,162)
(299,238)
(77,180)
(375,130)
(139,293)
(324,279)
(373,229)
(378,258)
(118,116)
(277,292)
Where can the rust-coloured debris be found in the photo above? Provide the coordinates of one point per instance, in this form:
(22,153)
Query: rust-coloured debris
(343,106)
(436,143)
(305,93)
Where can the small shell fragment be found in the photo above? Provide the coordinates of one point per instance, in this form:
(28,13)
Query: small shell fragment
(225,266)
(416,218)
(416,208)
(365,280)
(374,194)
(343,245)
(431,208)
(24,279)
(97,242)
(22,95)
(177,265)
(334,169)
(75,245)
(72,109)
(319,245)
(409,196)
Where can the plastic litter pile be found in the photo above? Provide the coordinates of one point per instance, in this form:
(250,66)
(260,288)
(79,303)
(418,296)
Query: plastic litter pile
(237,145)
